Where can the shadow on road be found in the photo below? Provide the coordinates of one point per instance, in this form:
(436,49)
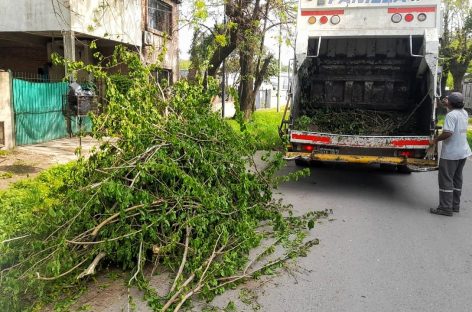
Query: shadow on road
(366,183)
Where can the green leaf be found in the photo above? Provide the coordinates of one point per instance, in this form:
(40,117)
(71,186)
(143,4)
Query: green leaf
(311,224)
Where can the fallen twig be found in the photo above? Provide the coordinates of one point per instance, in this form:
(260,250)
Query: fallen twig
(184,259)
(116,215)
(61,275)
(91,268)
(139,264)
(15,238)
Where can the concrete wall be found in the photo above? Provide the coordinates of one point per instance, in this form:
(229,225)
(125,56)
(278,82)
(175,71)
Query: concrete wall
(6,109)
(117,20)
(34,15)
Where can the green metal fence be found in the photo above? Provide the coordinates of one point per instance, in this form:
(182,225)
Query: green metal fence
(38,112)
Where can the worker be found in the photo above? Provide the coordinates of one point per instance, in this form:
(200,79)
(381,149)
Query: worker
(454,153)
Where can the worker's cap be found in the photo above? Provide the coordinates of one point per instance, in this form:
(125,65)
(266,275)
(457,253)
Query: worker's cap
(455,98)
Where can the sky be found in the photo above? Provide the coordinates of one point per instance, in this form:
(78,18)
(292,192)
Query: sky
(186,33)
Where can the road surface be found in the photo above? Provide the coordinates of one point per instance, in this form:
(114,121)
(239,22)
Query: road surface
(384,252)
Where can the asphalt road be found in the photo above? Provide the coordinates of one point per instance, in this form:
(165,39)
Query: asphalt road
(384,251)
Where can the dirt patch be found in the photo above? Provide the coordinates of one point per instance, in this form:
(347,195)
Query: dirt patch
(19,168)
(109,291)
(28,161)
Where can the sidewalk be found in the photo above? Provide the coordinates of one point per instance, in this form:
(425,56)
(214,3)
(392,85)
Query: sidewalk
(27,161)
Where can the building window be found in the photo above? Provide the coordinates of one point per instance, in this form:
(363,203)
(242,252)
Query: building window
(160,16)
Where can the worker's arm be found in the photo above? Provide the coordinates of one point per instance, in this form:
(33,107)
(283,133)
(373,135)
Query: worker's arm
(443,136)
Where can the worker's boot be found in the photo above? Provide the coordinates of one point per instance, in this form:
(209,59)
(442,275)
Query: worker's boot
(455,209)
(441,212)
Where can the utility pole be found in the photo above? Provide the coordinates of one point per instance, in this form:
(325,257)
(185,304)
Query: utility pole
(280,68)
(223,69)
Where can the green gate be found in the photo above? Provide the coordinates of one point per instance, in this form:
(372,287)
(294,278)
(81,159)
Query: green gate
(38,111)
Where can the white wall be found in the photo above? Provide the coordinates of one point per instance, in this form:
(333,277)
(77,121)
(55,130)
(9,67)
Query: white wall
(34,15)
(117,20)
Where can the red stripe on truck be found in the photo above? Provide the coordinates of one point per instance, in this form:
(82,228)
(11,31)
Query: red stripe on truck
(410,142)
(310,137)
(322,12)
(412,9)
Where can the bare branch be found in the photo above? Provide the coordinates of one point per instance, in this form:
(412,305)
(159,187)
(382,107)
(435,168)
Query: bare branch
(61,275)
(91,268)
(184,259)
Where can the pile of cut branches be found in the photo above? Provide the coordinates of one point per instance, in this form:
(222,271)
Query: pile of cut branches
(357,122)
(172,188)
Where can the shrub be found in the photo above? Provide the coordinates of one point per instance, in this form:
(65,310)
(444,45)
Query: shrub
(172,188)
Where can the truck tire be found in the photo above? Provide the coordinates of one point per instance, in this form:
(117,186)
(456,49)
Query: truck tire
(300,162)
(388,167)
(404,169)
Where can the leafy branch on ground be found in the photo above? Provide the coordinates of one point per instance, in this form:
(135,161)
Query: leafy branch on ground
(176,187)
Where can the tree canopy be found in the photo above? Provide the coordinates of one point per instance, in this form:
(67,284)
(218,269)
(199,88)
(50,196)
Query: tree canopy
(456,47)
(242,36)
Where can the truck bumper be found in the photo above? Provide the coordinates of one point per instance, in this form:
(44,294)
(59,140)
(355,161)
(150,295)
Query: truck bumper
(414,164)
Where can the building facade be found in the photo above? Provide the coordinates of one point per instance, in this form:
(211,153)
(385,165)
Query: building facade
(31,30)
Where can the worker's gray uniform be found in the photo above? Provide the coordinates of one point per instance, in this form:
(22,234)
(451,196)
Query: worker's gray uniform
(454,153)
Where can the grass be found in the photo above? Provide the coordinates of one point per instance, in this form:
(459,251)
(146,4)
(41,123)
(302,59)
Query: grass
(263,126)
(26,199)
(21,206)
(441,120)
(5,152)
(6,175)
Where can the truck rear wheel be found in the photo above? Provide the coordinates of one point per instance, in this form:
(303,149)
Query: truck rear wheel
(400,169)
(300,162)
(388,167)
(403,169)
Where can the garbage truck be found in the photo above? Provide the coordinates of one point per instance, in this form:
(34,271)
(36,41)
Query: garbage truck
(365,83)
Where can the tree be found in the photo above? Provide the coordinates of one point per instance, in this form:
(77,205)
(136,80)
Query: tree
(457,44)
(245,31)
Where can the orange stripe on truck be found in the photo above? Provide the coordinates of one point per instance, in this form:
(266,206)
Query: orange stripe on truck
(322,12)
(310,137)
(410,142)
(412,10)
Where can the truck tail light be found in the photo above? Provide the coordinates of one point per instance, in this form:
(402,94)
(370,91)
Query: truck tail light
(308,148)
(406,154)
(409,17)
(311,20)
(422,17)
(335,19)
(323,20)
(396,18)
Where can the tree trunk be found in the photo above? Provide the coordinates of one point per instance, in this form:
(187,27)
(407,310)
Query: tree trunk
(458,71)
(246,86)
(445,74)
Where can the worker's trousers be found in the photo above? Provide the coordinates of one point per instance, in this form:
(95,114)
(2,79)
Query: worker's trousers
(450,183)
